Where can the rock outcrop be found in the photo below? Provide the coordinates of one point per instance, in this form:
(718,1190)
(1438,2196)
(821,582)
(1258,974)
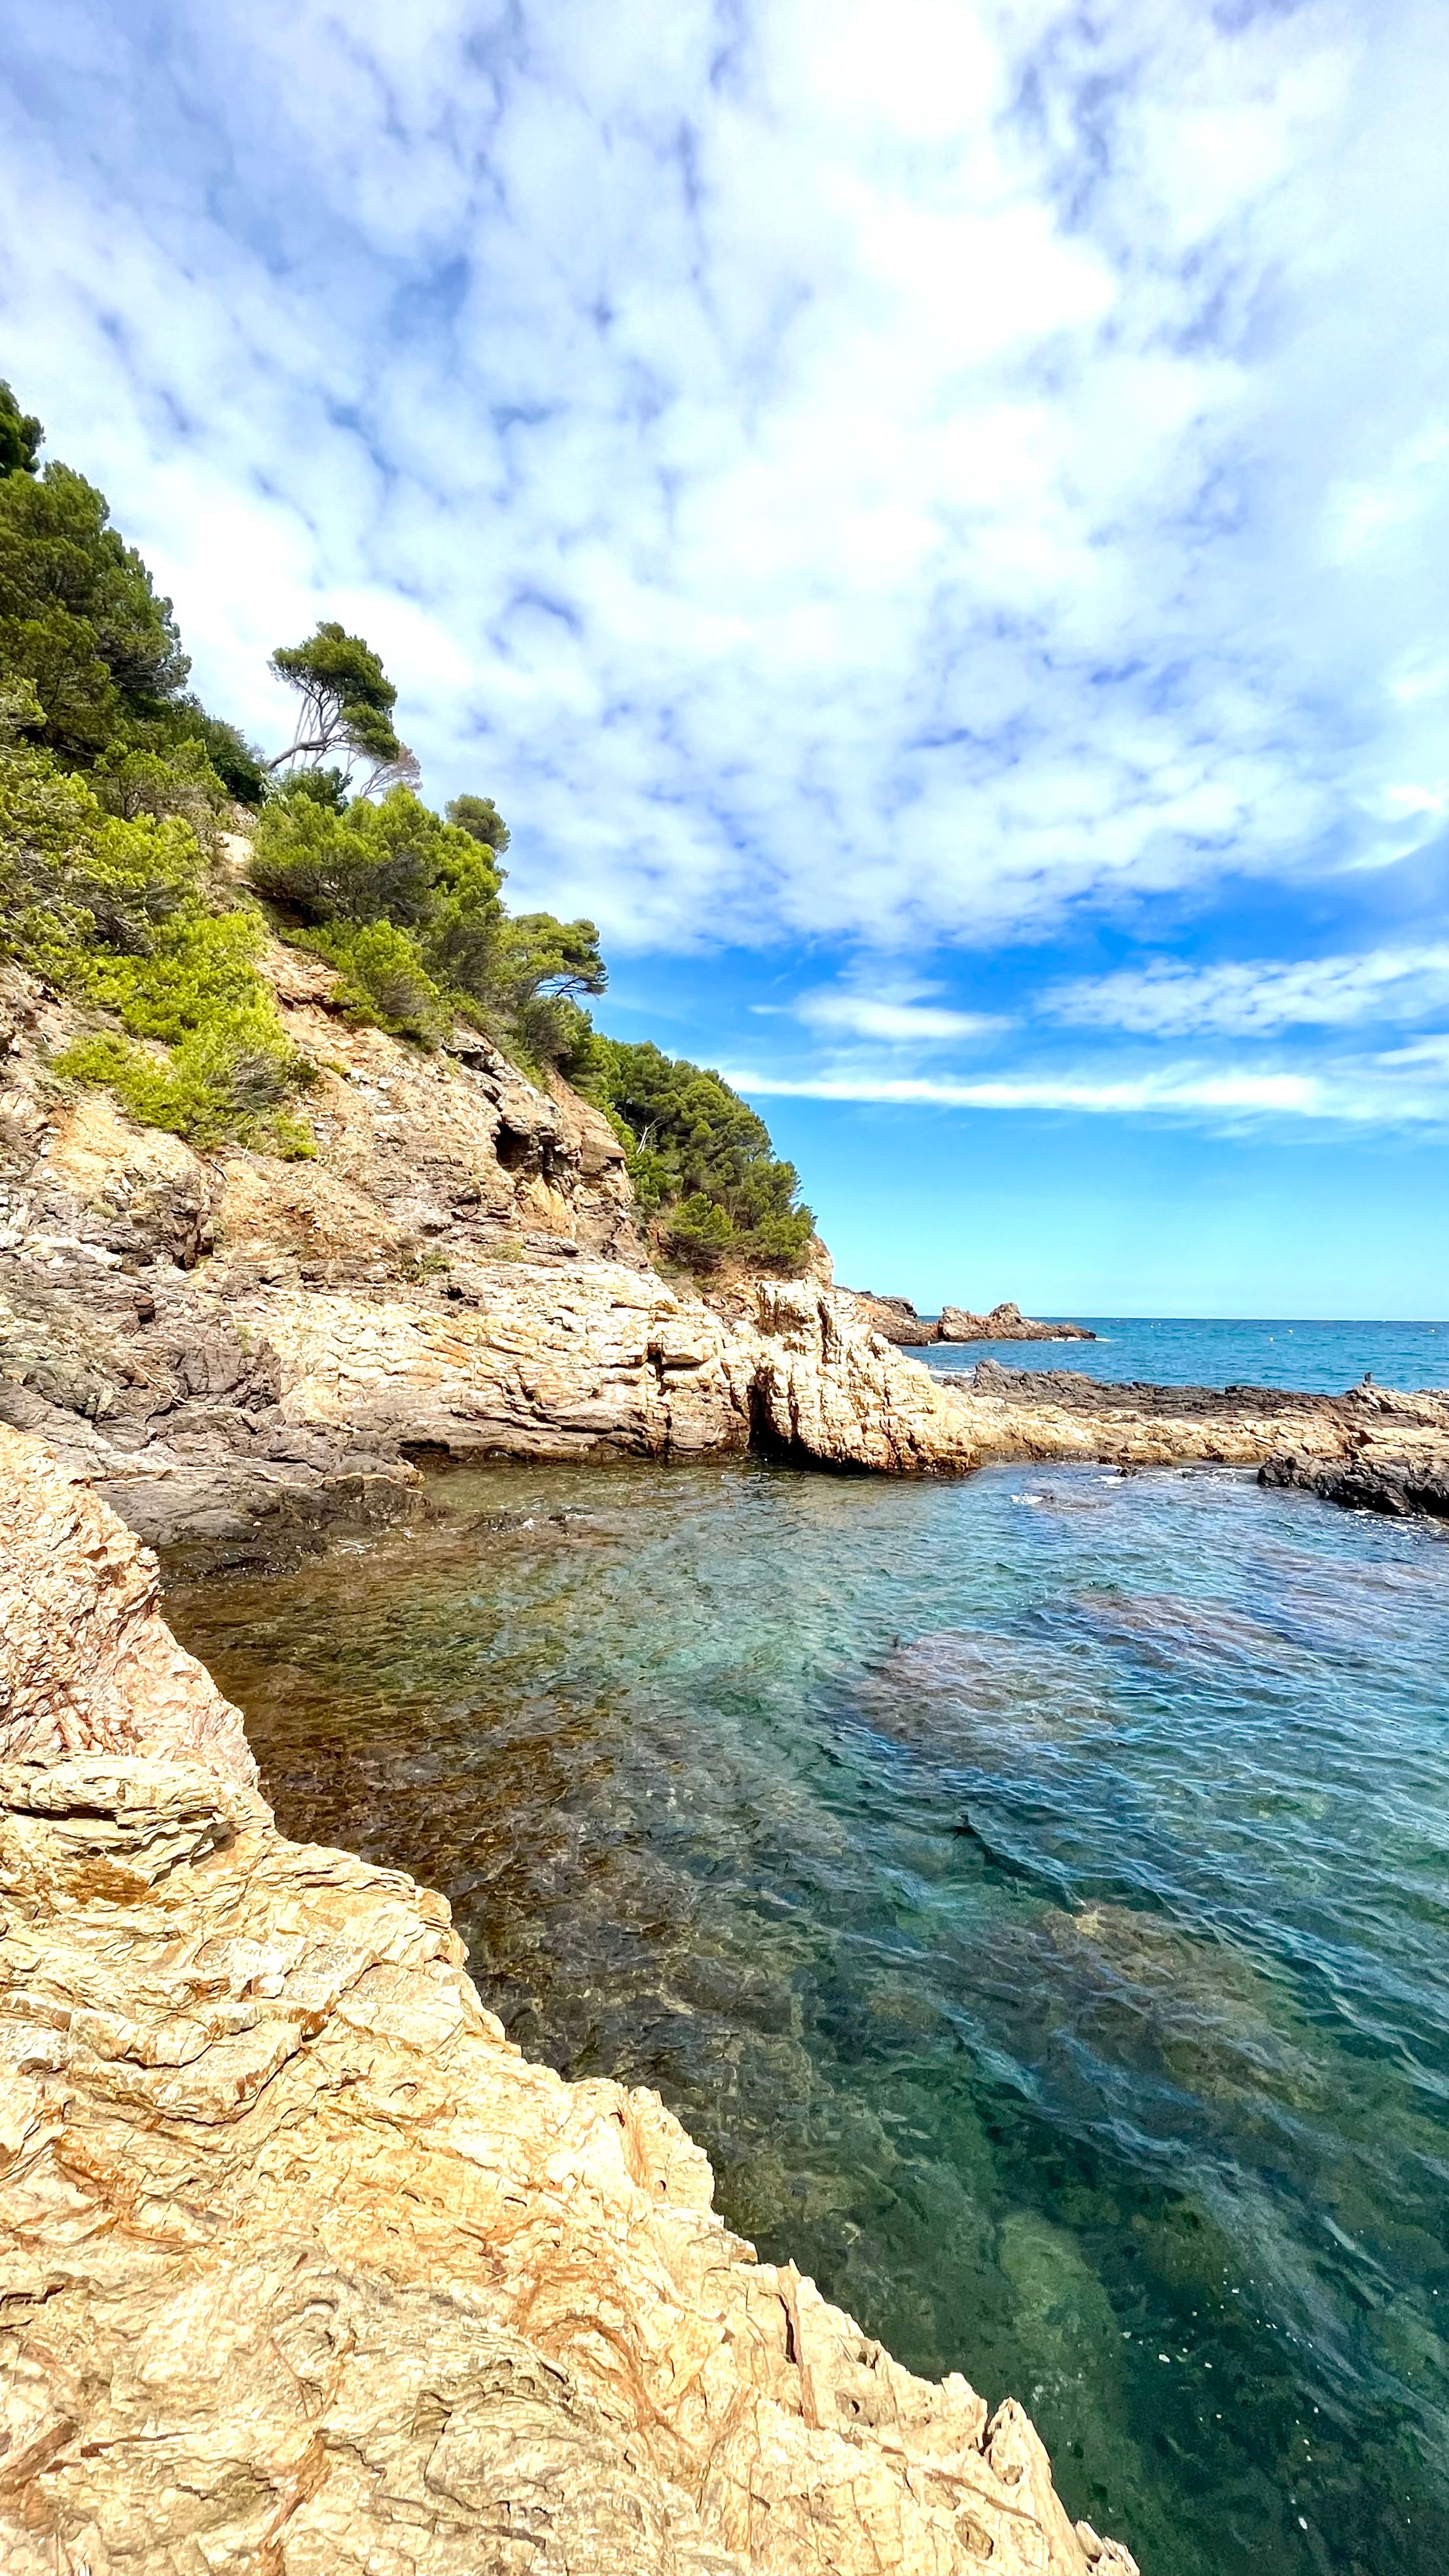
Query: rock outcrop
(241,1351)
(1005,1323)
(304,2267)
(895,1319)
(1371,1449)
(87,1663)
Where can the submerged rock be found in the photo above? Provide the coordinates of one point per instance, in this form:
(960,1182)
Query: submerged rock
(303,2266)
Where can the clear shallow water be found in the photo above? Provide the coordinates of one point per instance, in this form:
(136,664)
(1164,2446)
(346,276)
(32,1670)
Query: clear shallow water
(1323,1359)
(1034,1892)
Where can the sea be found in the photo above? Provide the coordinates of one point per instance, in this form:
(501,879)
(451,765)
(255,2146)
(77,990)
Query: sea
(1320,1358)
(1033,1891)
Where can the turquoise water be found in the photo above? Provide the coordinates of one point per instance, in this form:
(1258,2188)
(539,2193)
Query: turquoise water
(1173,1351)
(1034,1892)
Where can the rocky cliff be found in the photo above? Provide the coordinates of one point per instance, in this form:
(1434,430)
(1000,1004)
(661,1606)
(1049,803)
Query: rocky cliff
(241,1351)
(303,2267)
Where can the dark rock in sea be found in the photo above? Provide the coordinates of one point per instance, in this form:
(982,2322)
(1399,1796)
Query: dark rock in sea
(1401,1488)
(1075,1393)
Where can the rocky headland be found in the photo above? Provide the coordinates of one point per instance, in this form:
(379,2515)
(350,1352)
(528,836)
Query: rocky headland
(896,1320)
(305,2267)
(1005,1323)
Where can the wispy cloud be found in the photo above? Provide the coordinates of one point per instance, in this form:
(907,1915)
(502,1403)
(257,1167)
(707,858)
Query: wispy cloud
(897,1014)
(1372,1094)
(894,472)
(1165,998)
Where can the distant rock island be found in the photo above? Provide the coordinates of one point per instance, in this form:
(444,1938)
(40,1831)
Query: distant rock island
(897,1320)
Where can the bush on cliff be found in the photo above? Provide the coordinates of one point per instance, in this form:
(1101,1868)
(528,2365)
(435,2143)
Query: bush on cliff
(700,1160)
(408,907)
(114,911)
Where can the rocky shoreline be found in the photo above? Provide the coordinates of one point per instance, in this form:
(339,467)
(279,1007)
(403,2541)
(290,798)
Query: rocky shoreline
(244,1353)
(305,2266)
(1371,1449)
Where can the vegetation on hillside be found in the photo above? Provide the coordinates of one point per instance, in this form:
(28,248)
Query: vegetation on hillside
(116,785)
(701,1162)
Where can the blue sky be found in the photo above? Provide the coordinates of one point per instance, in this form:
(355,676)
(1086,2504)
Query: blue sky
(929,516)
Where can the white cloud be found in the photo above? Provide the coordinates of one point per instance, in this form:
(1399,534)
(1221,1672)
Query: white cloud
(1371,1094)
(1164,998)
(893,1016)
(1361,513)
(890,470)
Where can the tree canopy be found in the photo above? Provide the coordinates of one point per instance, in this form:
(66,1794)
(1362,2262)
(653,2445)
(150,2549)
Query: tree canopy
(347,702)
(435,887)
(79,615)
(21,436)
(701,1161)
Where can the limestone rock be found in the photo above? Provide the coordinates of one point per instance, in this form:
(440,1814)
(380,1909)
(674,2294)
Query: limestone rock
(304,2268)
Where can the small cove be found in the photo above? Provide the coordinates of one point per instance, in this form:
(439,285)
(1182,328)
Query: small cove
(1033,1892)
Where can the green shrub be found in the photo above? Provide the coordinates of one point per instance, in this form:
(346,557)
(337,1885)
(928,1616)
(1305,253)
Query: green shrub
(383,862)
(382,979)
(409,908)
(114,911)
(228,1079)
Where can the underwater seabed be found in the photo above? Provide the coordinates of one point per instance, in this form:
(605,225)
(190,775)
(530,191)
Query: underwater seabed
(1033,1892)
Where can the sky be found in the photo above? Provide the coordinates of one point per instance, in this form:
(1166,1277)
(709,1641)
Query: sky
(931,518)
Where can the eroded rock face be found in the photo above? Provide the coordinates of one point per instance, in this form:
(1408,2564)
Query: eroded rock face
(304,2268)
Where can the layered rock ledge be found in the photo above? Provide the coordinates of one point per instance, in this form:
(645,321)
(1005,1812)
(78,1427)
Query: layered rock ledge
(304,2267)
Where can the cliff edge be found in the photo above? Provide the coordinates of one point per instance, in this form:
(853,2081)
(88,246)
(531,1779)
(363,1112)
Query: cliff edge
(306,2268)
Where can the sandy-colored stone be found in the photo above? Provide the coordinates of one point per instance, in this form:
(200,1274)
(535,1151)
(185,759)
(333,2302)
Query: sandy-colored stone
(86,1659)
(304,2267)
